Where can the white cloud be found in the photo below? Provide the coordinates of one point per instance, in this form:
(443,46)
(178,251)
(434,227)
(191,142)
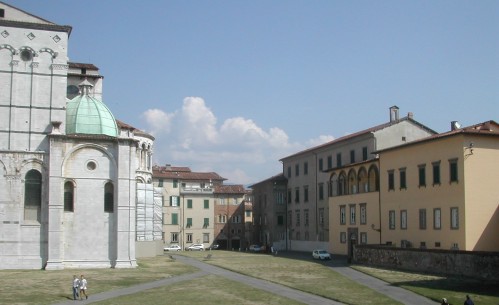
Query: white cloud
(238,150)
(197,123)
(158,121)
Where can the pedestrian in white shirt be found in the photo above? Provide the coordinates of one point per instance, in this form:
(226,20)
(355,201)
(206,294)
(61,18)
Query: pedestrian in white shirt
(83,287)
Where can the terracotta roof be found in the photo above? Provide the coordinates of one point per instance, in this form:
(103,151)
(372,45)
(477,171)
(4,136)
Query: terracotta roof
(278,177)
(362,132)
(488,128)
(123,125)
(184,175)
(138,132)
(78,65)
(171,168)
(229,189)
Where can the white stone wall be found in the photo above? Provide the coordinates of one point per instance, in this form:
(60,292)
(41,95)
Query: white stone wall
(38,82)
(21,243)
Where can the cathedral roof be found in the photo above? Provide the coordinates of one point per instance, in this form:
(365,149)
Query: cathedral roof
(88,115)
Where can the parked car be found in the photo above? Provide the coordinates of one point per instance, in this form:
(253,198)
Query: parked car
(321,254)
(196,247)
(214,247)
(173,248)
(255,248)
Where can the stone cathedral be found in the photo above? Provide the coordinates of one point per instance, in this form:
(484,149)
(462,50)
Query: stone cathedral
(75,183)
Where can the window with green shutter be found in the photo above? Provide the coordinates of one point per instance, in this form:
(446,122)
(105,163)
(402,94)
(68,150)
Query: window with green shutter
(189,203)
(174,200)
(189,222)
(174,219)
(206,204)
(175,183)
(206,222)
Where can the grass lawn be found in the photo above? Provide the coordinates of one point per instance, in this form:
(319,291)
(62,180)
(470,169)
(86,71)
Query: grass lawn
(438,287)
(208,289)
(48,287)
(305,275)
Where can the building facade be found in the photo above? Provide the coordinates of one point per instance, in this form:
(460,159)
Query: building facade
(270,212)
(310,183)
(229,217)
(445,196)
(188,205)
(355,209)
(68,169)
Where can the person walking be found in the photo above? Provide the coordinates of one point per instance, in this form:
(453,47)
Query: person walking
(76,287)
(468,301)
(83,287)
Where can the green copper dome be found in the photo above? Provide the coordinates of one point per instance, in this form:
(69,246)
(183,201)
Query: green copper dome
(88,115)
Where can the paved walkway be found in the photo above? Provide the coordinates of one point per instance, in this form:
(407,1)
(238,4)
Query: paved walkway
(337,264)
(340,265)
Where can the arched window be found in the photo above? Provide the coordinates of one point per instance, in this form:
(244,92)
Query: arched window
(32,195)
(352,182)
(143,157)
(109,198)
(68,196)
(342,184)
(373,179)
(333,185)
(363,183)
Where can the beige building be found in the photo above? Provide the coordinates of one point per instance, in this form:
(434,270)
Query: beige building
(309,182)
(442,192)
(354,210)
(188,204)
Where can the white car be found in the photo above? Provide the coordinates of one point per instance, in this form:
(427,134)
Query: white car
(196,247)
(321,254)
(255,248)
(173,248)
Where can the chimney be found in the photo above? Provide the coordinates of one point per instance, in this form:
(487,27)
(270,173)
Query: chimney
(394,114)
(454,125)
(410,115)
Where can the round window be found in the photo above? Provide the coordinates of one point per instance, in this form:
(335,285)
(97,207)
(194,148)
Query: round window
(91,165)
(26,55)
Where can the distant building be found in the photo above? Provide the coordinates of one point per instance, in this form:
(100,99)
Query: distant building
(69,170)
(230,216)
(269,211)
(188,204)
(248,218)
(317,173)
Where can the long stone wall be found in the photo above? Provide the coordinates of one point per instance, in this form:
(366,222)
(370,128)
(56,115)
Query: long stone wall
(479,265)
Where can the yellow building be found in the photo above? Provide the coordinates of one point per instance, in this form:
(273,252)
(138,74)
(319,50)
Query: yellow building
(354,206)
(442,192)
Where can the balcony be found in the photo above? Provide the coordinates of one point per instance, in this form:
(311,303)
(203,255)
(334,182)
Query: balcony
(196,190)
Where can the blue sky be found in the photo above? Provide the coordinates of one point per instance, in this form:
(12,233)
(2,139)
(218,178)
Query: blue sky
(233,86)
